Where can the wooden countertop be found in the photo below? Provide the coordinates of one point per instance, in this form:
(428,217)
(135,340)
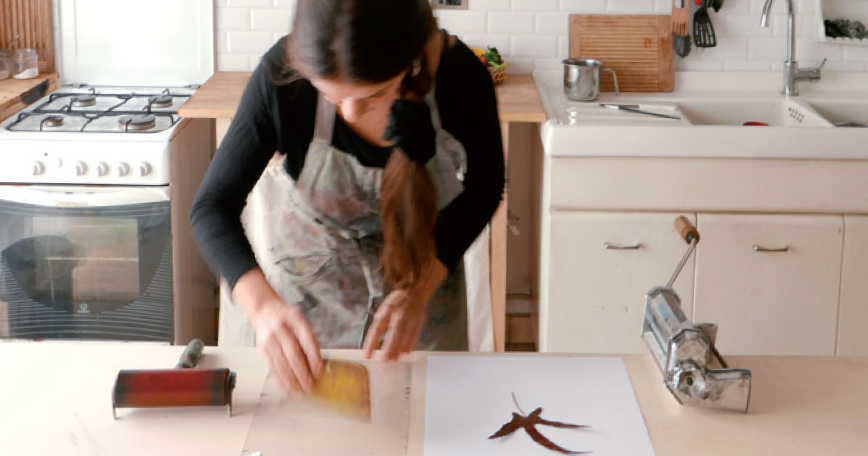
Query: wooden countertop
(13,90)
(218,98)
(57,401)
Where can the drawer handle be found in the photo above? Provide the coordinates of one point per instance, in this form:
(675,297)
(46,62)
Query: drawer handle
(757,248)
(609,246)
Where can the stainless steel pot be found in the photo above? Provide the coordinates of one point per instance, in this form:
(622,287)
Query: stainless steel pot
(582,79)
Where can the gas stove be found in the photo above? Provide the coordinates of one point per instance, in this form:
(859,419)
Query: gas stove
(97,181)
(104,110)
(100,135)
(115,122)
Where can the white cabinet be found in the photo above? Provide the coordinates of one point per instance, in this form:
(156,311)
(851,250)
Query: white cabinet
(600,265)
(853,319)
(811,299)
(771,282)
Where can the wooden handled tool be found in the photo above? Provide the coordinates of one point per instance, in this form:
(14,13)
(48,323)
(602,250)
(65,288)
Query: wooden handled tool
(686,229)
(179,387)
(680,17)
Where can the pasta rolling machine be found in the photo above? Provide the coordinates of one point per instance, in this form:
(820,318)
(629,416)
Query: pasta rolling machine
(685,352)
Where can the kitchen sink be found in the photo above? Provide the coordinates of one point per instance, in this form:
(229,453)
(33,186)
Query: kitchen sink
(775,112)
(842,113)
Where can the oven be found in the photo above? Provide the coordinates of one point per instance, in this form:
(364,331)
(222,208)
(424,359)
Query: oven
(86,263)
(98,179)
(95,241)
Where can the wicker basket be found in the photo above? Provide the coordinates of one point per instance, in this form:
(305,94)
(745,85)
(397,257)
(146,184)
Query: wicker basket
(498,73)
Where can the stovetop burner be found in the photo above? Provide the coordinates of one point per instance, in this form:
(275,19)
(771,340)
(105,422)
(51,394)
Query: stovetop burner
(81,101)
(161,101)
(140,122)
(52,121)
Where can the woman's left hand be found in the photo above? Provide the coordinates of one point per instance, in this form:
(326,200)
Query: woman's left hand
(401,317)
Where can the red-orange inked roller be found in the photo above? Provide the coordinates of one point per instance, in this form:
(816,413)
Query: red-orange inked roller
(179,387)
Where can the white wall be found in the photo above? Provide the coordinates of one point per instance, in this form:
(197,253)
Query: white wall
(532,34)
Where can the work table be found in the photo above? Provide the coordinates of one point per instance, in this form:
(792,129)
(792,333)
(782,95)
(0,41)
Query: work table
(218,98)
(57,401)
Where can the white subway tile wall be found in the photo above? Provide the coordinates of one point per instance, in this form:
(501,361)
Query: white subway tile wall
(532,34)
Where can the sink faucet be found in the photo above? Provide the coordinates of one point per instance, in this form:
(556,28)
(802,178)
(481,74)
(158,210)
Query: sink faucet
(792,73)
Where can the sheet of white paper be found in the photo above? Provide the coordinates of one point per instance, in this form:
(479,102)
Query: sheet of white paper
(470,398)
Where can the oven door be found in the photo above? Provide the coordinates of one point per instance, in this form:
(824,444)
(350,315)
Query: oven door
(86,263)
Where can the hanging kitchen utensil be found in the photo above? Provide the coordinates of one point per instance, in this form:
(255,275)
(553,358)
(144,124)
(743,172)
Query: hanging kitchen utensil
(716,5)
(703,30)
(680,18)
(685,351)
(681,45)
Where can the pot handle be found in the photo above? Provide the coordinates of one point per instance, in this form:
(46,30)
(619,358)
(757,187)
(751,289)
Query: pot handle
(615,76)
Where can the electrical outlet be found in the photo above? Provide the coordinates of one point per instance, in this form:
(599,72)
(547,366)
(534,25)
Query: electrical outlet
(450,4)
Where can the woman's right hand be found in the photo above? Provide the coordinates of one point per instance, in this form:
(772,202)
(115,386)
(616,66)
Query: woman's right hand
(285,338)
(283,335)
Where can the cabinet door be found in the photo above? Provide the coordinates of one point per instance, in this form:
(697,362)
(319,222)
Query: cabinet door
(770,282)
(600,267)
(853,316)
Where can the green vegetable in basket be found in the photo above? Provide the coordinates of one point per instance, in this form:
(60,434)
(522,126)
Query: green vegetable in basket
(492,57)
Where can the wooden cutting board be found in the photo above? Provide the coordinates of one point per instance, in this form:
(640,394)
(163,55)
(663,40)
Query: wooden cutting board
(637,47)
(13,91)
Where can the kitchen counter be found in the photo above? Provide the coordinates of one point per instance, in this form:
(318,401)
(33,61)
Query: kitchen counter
(57,401)
(13,90)
(218,98)
(713,106)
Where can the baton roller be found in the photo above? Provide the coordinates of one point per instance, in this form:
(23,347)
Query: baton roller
(182,386)
(684,351)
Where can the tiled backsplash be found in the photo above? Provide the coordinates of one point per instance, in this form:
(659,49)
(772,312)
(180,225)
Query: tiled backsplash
(532,34)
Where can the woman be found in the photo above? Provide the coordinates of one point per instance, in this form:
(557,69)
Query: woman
(369,215)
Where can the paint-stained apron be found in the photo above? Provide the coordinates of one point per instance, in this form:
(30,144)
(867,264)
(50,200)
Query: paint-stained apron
(320,243)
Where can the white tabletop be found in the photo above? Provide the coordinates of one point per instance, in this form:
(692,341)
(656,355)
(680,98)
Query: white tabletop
(56,400)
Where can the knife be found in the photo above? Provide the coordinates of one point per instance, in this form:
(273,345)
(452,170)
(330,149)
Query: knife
(634,108)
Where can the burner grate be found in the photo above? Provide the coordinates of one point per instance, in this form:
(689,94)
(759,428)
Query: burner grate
(162,101)
(145,122)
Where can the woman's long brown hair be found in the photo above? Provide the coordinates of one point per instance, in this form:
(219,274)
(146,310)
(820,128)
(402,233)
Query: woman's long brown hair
(369,42)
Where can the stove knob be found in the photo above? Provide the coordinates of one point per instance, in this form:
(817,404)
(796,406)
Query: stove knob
(123,169)
(38,168)
(102,169)
(80,168)
(144,168)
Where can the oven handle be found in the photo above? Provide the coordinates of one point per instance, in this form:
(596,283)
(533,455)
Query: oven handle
(81,196)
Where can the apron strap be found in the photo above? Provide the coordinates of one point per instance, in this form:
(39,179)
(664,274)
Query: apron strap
(325,121)
(432,106)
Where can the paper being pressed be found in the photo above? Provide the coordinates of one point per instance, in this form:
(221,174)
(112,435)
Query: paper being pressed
(469,398)
(285,426)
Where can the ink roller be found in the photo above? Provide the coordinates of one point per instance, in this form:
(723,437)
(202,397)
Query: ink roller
(182,386)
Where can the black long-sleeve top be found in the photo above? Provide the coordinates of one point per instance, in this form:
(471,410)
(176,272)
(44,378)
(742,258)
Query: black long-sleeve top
(278,116)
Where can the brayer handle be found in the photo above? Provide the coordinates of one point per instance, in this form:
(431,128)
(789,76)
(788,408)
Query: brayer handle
(191,355)
(686,229)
